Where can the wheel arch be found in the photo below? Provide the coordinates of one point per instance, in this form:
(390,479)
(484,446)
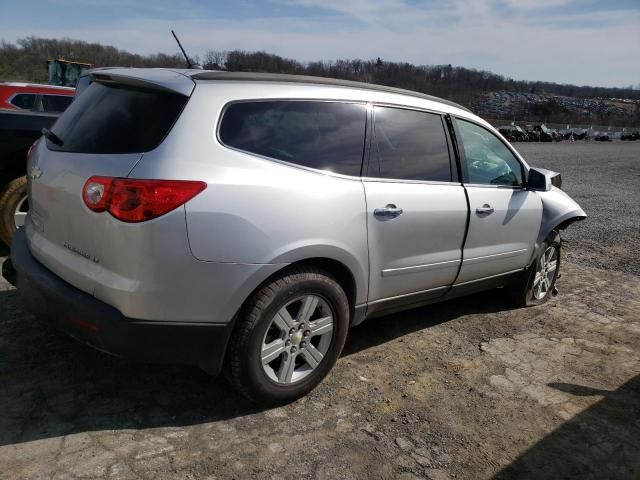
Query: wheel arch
(337,269)
(549,227)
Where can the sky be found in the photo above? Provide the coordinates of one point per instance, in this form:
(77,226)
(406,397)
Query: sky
(583,42)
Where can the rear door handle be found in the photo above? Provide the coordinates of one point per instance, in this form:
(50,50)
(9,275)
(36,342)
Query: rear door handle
(390,211)
(486,209)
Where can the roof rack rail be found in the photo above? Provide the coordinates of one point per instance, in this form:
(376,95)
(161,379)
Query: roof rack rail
(279,77)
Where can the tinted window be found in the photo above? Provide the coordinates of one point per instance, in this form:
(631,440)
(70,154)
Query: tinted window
(56,103)
(488,160)
(83,83)
(322,135)
(24,100)
(117,119)
(409,145)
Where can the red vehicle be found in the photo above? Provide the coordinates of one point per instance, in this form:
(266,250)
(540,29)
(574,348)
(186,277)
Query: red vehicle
(34,97)
(25,109)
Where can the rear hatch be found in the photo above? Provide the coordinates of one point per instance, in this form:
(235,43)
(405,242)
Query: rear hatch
(105,132)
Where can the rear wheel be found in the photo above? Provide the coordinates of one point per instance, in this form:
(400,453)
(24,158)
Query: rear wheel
(288,336)
(14,206)
(537,285)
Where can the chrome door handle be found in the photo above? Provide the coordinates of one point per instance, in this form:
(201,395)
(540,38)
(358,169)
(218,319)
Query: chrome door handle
(486,209)
(390,211)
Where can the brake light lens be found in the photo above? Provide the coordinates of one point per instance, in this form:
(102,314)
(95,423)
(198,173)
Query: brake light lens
(133,201)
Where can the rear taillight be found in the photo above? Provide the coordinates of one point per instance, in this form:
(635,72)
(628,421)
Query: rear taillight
(95,193)
(131,200)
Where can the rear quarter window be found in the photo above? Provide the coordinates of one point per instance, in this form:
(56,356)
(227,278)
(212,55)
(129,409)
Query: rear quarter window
(56,103)
(321,135)
(25,101)
(117,119)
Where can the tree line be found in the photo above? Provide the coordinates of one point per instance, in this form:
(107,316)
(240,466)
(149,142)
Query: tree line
(26,59)
(458,83)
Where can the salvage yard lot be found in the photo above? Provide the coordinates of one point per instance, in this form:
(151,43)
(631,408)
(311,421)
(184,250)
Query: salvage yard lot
(466,389)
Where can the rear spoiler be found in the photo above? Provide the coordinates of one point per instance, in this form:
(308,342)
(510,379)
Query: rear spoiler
(156,79)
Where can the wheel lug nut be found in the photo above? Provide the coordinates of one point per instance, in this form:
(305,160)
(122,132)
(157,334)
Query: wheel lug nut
(302,344)
(301,326)
(288,343)
(293,349)
(291,331)
(307,333)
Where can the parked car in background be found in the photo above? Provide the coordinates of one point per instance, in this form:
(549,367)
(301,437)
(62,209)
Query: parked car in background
(574,133)
(34,97)
(25,109)
(244,222)
(539,133)
(514,133)
(602,137)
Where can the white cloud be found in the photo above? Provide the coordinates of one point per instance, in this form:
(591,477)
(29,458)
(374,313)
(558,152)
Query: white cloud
(535,4)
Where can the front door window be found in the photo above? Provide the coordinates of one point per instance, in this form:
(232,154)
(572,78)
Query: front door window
(487,159)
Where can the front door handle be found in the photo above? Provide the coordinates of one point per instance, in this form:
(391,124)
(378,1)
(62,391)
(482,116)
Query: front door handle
(486,209)
(390,211)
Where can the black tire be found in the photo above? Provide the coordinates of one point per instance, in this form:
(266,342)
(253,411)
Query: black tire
(243,366)
(10,197)
(522,292)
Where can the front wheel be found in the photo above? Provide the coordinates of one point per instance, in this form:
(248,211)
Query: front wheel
(288,336)
(13,208)
(538,284)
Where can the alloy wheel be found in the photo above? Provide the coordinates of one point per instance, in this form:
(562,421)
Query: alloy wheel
(297,339)
(545,272)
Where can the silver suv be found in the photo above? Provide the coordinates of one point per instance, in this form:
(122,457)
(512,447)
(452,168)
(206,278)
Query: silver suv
(243,222)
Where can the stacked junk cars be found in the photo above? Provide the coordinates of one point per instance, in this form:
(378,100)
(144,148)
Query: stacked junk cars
(523,132)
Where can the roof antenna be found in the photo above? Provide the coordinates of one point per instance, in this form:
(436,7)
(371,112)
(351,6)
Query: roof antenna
(189,64)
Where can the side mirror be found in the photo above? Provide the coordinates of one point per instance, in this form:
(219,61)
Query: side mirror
(542,180)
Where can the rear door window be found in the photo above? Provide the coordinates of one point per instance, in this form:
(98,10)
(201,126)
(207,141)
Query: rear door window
(117,119)
(409,145)
(56,103)
(24,100)
(322,135)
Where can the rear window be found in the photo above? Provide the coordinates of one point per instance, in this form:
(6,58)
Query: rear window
(56,103)
(83,82)
(24,100)
(322,135)
(117,119)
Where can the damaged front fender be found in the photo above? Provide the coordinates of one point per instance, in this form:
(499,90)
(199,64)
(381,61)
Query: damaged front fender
(559,210)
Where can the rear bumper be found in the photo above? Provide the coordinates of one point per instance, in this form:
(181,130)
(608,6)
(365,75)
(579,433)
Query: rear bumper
(101,326)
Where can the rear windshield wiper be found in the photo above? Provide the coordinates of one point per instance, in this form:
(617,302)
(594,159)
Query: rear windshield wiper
(52,136)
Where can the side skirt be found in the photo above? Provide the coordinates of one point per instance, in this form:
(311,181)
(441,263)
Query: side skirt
(388,306)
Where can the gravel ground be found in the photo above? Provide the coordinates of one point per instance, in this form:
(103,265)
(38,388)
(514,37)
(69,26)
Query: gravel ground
(604,178)
(466,389)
